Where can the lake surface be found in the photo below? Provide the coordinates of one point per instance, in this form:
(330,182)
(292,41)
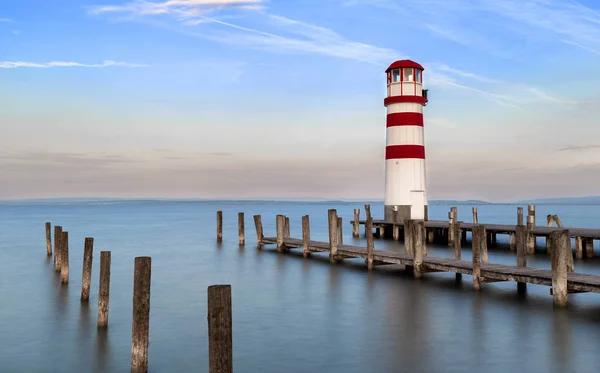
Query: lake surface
(289,314)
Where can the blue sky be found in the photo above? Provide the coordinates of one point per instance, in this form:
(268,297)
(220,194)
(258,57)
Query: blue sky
(282,99)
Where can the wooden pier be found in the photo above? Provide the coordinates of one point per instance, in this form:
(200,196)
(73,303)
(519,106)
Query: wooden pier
(438,231)
(562,277)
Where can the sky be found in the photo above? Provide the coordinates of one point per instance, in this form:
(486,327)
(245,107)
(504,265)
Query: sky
(284,99)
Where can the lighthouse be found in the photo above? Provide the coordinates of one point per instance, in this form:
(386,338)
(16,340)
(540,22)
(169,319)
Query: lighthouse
(405,179)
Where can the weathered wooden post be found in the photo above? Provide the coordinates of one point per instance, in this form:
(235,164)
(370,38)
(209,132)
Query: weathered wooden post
(64,258)
(280,226)
(579,247)
(530,229)
(451,230)
(104,289)
(589,248)
(558,221)
(512,241)
(48,238)
(484,245)
(395,226)
(549,220)
(475,219)
(86,275)
(477,239)
(521,246)
(408,237)
(560,250)
(259,230)
(370,244)
(340,233)
(220,341)
(333,235)
(241,229)
(219,226)
(141,314)
(418,240)
(305,235)
(457,247)
(367,215)
(57,237)
(287,227)
(356,223)
(519,215)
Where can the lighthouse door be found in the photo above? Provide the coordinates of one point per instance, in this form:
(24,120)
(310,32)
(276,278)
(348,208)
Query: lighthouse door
(417,204)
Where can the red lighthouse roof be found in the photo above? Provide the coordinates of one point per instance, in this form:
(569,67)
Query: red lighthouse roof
(404,63)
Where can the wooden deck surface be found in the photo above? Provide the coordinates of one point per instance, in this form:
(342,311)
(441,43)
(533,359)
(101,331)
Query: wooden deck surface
(490,272)
(497,228)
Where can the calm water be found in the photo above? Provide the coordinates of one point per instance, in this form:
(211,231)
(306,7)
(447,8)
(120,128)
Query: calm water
(289,314)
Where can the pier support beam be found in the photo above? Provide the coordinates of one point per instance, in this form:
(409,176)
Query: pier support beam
(280,227)
(305,235)
(521,246)
(477,240)
(241,229)
(370,244)
(219,226)
(48,238)
(259,230)
(333,235)
(560,248)
(418,240)
(356,224)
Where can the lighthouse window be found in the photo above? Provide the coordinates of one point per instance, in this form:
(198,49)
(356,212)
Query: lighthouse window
(408,75)
(396,76)
(418,76)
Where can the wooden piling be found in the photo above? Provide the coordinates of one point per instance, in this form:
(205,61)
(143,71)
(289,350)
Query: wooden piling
(457,247)
(141,314)
(219,226)
(521,246)
(241,229)
(305,235)
(579,247)
(560,250)
(86,275)
(220,341)
(368,210)
(287,227)
(476,255)
(549,220)
(457,243)
(519,216)
(280,226)
(57,237)
(451,222)
(356,224)
(48,238)
(475,219)
(64,258)
(333,235)
(259,230)
(370,243)
(589,248)
(558,221)
(418,240)
(484,245)
(530,235)
(512,240)
(104,289)
(408,244)
(340,233)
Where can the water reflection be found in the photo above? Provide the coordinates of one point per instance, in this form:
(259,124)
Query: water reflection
(561,340)
(102,352)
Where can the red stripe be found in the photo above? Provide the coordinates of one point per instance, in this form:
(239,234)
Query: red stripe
(404,151)
(404,119)
(397,99)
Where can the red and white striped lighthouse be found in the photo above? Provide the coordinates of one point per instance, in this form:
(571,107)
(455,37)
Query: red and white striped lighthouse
(405,180)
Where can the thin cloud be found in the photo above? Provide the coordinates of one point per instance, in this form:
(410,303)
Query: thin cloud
(43,65)
(579,148)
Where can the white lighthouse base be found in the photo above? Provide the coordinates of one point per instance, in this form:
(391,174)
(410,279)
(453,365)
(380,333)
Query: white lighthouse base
(403,213)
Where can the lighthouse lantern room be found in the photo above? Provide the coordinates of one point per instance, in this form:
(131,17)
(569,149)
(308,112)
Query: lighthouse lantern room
(405,179)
